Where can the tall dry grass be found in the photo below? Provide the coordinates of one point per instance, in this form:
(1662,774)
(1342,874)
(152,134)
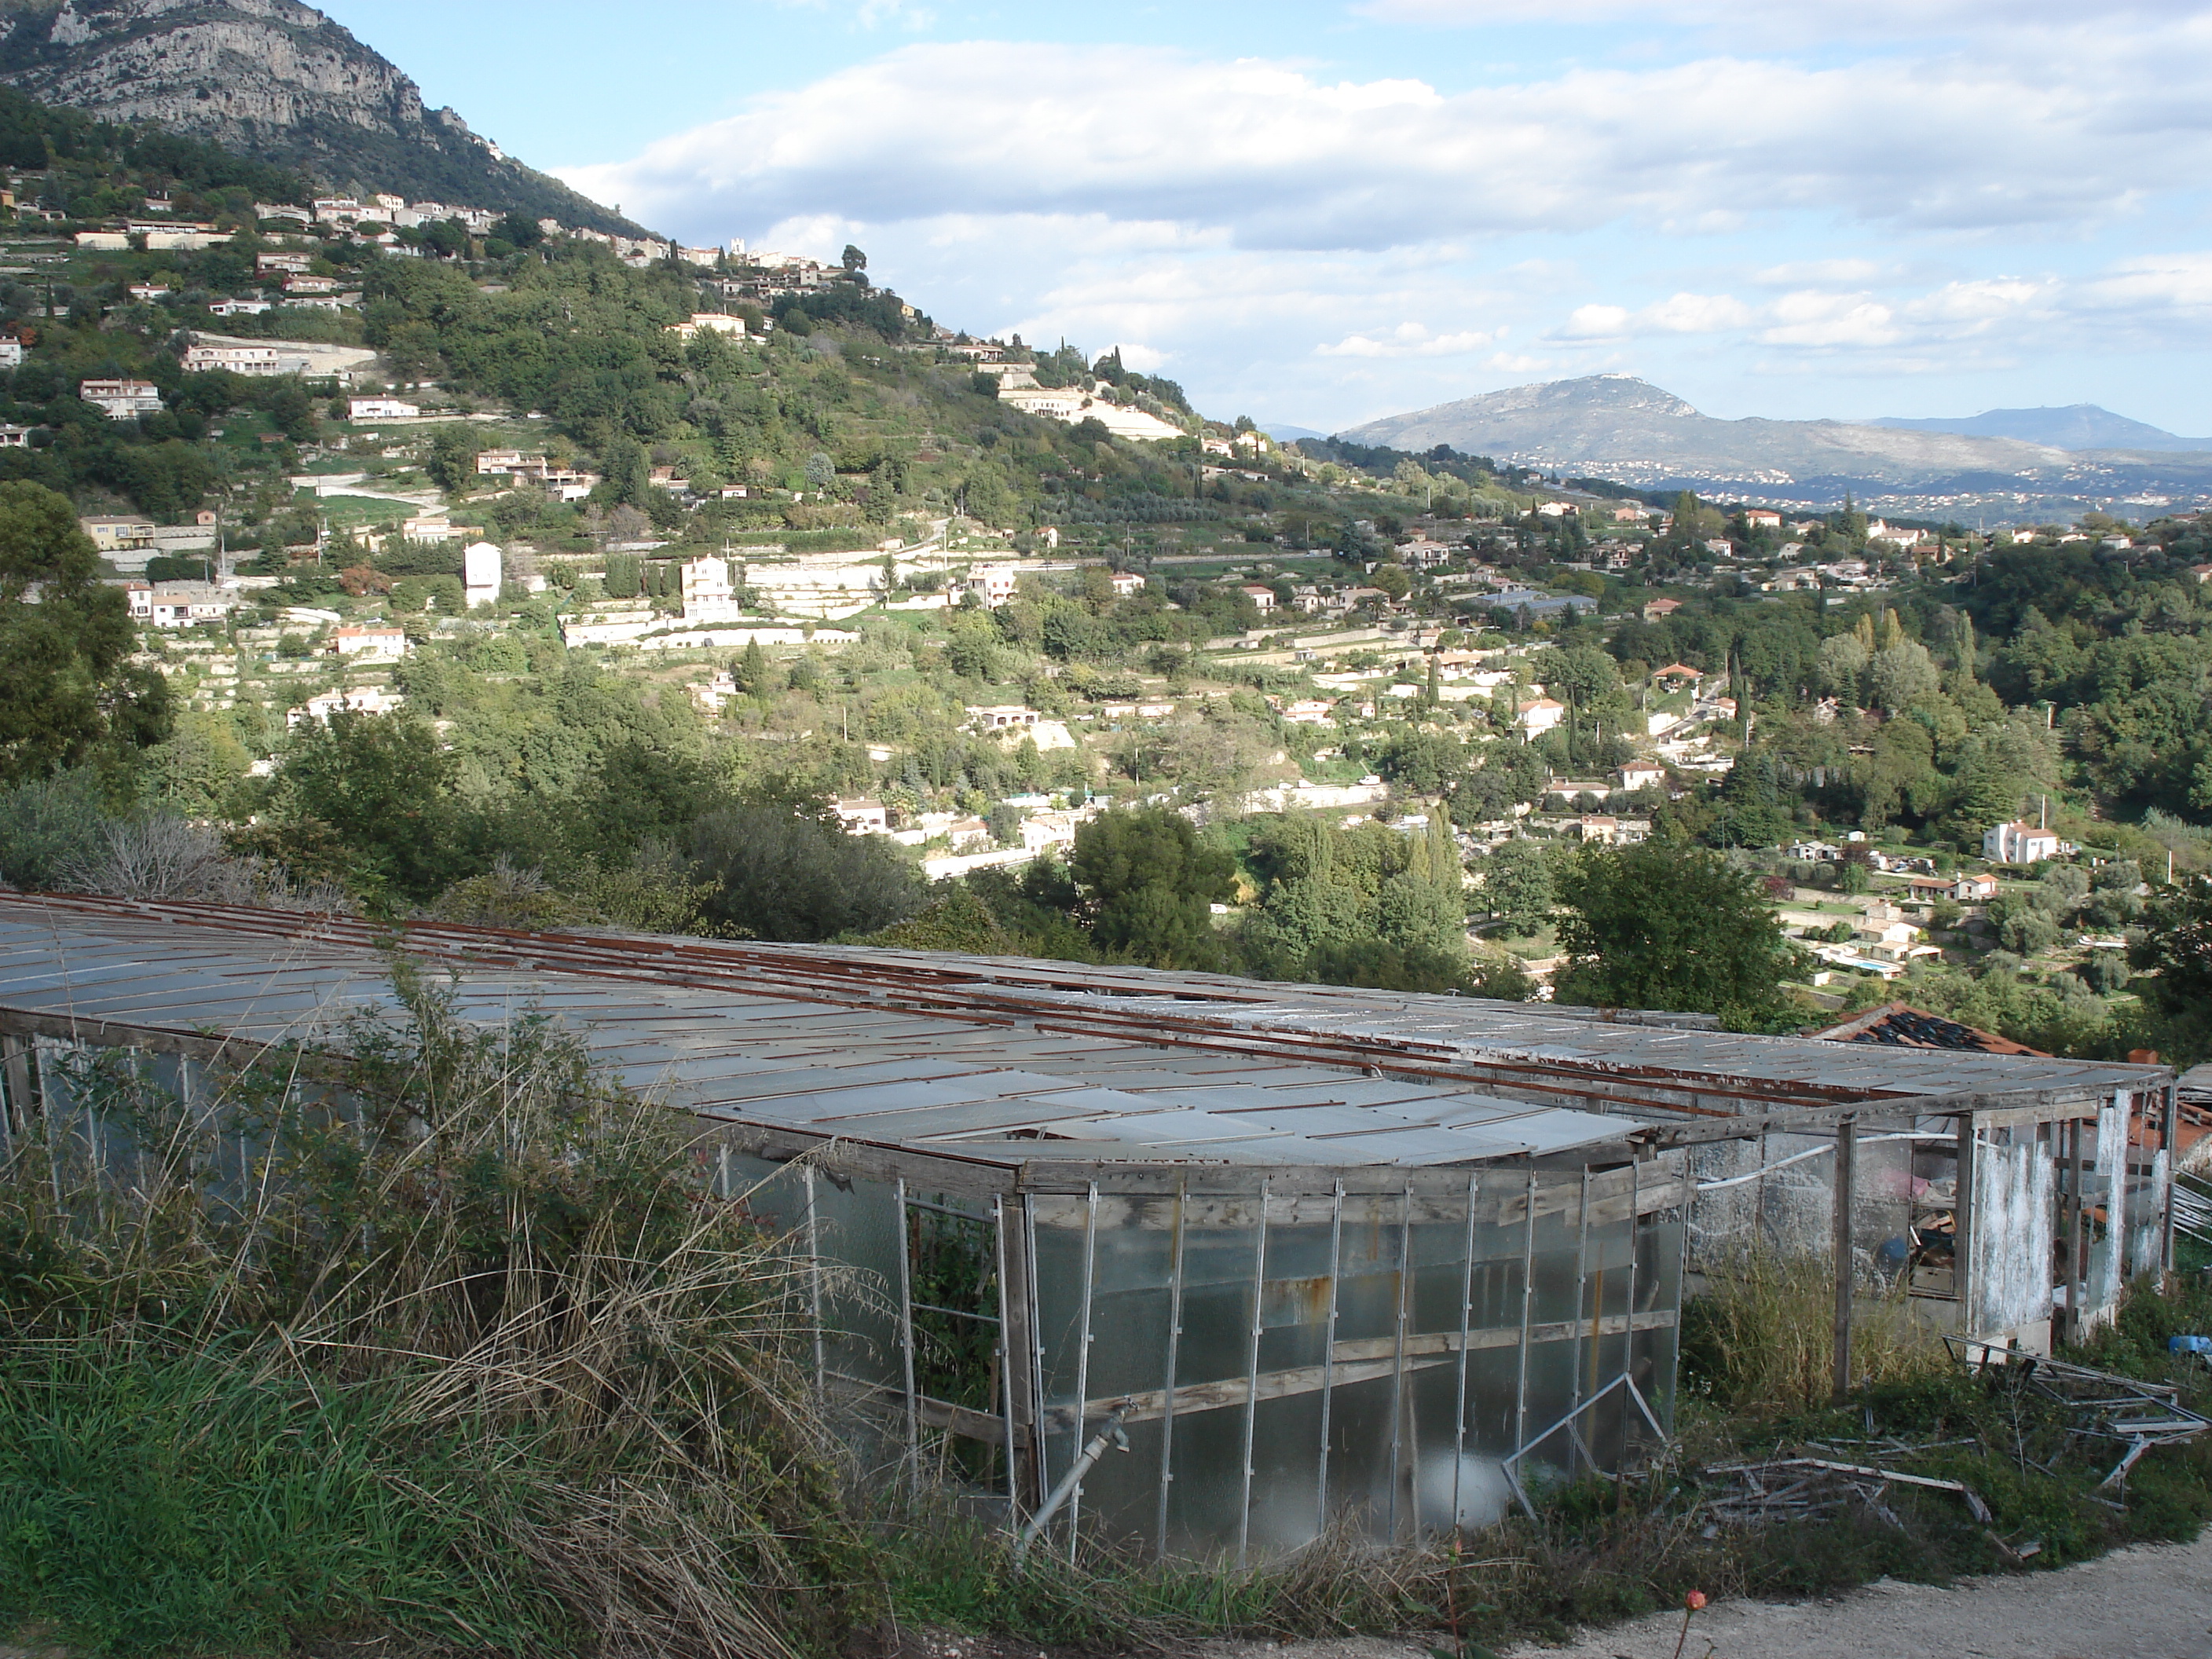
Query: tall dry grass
(1761,1337)
(577,1369)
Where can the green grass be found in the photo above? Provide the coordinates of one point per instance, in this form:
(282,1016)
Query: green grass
(177,1503)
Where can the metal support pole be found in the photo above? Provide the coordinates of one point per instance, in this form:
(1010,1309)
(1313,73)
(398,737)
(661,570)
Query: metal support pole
(1252,1379)
(814,1285)
(1006,1333)
(2077,1268)
(1466,1318)
(1527,1289)
(1962,1227)
(1018,1305)
(1628,1301)
(1398,1402)
(1582,1295)
(906,1338)
(1083,1360)
(1847,1159)
(1329,1351)
(1175,1354)
(1034,1314)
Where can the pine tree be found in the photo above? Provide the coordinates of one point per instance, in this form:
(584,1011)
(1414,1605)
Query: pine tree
(1443,854)
(751,669)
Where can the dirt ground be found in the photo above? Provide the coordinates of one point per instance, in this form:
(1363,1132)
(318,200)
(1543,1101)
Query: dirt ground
(2148,1603)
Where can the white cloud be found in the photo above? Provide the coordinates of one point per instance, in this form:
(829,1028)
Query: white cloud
(1410,340)
(1683,314)
(1274,156)
(1762,20)
(1819,270)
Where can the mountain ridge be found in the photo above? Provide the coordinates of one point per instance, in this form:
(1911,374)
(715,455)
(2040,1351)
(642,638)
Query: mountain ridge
(277,81)
(1624,428)
(2075,427)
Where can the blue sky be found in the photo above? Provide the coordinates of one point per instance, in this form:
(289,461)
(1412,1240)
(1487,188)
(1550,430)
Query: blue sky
(1321,213)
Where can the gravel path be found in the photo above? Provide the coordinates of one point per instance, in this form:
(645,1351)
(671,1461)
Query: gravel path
(2153,1602)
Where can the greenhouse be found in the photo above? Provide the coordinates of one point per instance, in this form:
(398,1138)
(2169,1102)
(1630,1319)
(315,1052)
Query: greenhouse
(1196,1266)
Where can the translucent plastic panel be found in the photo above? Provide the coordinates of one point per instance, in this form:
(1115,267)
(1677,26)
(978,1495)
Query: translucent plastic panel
(1493,1377)
(1363,1427)
(858,1230)
(1285,1472)
(1132,1308)
(1206,1496)
(1659,1295)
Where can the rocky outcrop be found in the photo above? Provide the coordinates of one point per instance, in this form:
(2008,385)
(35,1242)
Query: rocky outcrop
(275,80)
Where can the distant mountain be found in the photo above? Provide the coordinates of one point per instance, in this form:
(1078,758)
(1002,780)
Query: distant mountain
(276,81)
(1290,434)
(2075,426)
(1619,428)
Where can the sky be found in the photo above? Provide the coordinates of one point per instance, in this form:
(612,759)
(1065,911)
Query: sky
(1320,212)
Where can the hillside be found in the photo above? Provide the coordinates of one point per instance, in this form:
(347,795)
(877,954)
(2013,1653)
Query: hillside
(1618,427)
(278,82)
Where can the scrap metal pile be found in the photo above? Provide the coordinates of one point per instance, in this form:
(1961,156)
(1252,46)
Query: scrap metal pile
(2093,1406)
(2060,1409)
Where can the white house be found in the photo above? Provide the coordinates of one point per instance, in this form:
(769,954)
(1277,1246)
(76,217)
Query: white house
(708,322)
(11,352)
(122,400)
(238,307)
(370,643)
(1264,598)
(996,583)
(2018,842)
(1539,716)
(863,817)
(1127,582)
(358,700)
(1642,775)
(381,409)
(480,573)
(1000,717)
(181,605)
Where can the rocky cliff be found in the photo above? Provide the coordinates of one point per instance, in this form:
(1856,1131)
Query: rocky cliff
(275,80)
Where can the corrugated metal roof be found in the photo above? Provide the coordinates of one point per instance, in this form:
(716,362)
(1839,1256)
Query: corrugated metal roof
(892,1079)
(975,1056)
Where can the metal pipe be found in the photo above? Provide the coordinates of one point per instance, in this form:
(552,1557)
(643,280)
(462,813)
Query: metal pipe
(1252,1379)
(1070,1484)
(1174,1355)
(1083,1357)
(1329,1351)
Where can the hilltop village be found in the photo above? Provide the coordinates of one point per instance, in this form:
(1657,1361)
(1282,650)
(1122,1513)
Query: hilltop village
(581,514)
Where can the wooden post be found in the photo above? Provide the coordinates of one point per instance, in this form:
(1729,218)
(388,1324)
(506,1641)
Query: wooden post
(1847,1157)
(1018,1305)
(2166,1125)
